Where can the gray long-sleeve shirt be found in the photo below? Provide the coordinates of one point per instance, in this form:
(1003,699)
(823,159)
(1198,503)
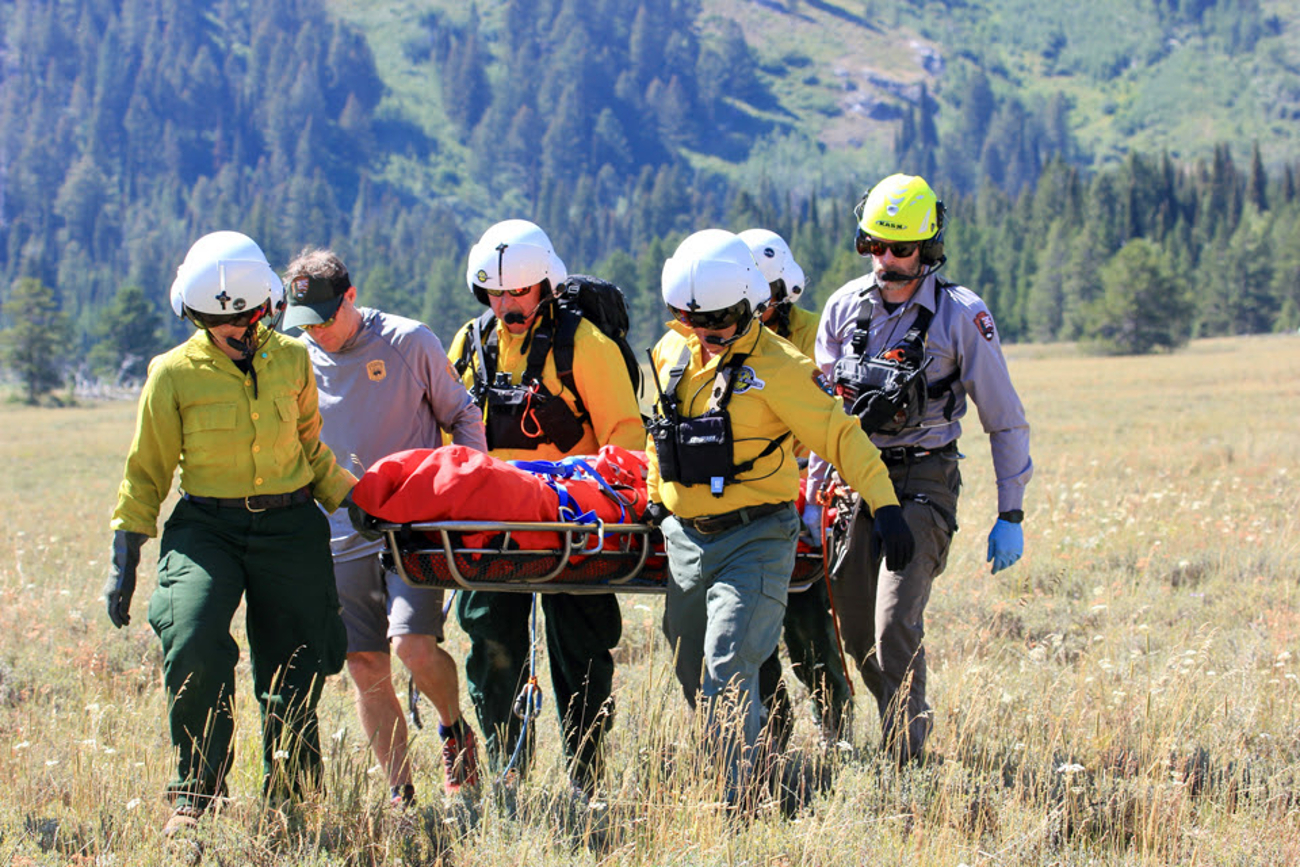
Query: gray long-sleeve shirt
(388,389)
(961,337)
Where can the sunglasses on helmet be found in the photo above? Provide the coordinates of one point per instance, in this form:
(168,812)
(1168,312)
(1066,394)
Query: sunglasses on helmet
(868,245)
(239,320)
(711,320)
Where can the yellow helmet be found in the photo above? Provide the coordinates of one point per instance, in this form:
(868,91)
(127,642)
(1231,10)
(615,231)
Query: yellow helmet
(902,208)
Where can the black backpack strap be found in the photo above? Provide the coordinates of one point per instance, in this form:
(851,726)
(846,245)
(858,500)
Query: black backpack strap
(936,389)
(733,368)
(473,346)
(566,334)
(675,373)
(540,346)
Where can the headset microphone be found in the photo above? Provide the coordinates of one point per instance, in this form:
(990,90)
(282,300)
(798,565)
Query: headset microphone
(514,317)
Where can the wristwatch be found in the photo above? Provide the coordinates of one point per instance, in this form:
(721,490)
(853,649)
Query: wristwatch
(1014,516)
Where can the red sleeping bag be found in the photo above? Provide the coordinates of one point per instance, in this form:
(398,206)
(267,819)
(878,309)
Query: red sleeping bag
(457,483)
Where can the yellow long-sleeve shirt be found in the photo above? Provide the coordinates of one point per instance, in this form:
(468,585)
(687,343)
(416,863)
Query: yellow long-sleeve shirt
(777,390)
(803,330)
(598,373)
(197,411)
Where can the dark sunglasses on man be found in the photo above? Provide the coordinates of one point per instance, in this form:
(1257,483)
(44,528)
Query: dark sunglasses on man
(869,246)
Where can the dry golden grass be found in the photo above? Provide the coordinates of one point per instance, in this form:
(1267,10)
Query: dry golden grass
(1126,694)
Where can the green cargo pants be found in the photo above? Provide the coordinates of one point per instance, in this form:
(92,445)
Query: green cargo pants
(279,559)
(581,630)
(815,659)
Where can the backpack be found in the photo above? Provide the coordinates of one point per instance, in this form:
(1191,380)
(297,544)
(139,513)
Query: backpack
(580,297)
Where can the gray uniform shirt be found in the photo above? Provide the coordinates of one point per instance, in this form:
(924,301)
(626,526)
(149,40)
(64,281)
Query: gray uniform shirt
(961,337)
(388,389)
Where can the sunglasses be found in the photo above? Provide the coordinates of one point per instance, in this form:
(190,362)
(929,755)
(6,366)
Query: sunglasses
(875,247)
(320,326)
(513,293)
(710,320)
(239,320)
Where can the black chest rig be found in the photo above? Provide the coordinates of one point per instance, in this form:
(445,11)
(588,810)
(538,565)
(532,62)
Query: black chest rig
(700,450)
(526,415)
(888,391)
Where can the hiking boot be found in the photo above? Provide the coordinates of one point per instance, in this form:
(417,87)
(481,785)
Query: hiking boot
(459,757)
(401,797)
(183,818)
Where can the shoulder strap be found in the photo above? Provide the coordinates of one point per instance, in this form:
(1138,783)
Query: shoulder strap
(540,346)
(566,334)
(485,352)
(675,374)
(939,387)
(733,368)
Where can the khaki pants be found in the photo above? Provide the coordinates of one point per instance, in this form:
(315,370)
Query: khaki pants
(882,613)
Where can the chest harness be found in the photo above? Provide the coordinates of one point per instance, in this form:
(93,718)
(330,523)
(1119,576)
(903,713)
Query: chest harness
(526,415)
(888,391)
(700,450)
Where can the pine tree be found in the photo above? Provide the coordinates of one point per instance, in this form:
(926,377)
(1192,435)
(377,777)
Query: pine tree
(1143,306)
(129,331)
(35,344)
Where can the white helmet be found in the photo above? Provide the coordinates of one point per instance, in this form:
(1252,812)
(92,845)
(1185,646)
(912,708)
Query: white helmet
(713,272)
(225,273)
(777,263)
(511,255)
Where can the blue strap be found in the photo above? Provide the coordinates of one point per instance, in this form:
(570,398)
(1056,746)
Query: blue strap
(570,468)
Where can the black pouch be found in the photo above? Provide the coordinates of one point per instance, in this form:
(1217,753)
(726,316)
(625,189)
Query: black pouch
(505,419)
(888,396)
(663,432)
(559,424)
(519,418)
(704,450)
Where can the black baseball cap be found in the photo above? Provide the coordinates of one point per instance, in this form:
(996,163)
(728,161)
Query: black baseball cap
(313,300)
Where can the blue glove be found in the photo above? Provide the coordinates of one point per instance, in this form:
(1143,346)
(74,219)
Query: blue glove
(812,519)
(1006,544)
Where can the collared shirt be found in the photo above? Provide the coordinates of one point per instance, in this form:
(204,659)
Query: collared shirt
(389,388)
(197,411)
(778,389)
(599,374)
(961,337)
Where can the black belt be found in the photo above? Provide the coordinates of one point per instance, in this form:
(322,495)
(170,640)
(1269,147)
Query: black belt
(710,524)
(897,455)
(258,503)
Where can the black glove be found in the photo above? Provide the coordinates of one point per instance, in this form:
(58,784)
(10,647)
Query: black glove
(893,537)
(362,521)
(120,586)
(874,410)
(654,514)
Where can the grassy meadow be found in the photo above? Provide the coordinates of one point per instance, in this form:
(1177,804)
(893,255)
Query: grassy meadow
(1126,694)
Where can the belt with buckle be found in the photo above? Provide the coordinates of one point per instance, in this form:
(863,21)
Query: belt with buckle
(897,455)
(710,524)
(257,503)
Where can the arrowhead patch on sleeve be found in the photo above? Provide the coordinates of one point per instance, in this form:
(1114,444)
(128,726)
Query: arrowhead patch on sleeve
(984,322)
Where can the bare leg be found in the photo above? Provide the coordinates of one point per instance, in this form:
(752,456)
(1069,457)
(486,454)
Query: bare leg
(381,713)
(434,671)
